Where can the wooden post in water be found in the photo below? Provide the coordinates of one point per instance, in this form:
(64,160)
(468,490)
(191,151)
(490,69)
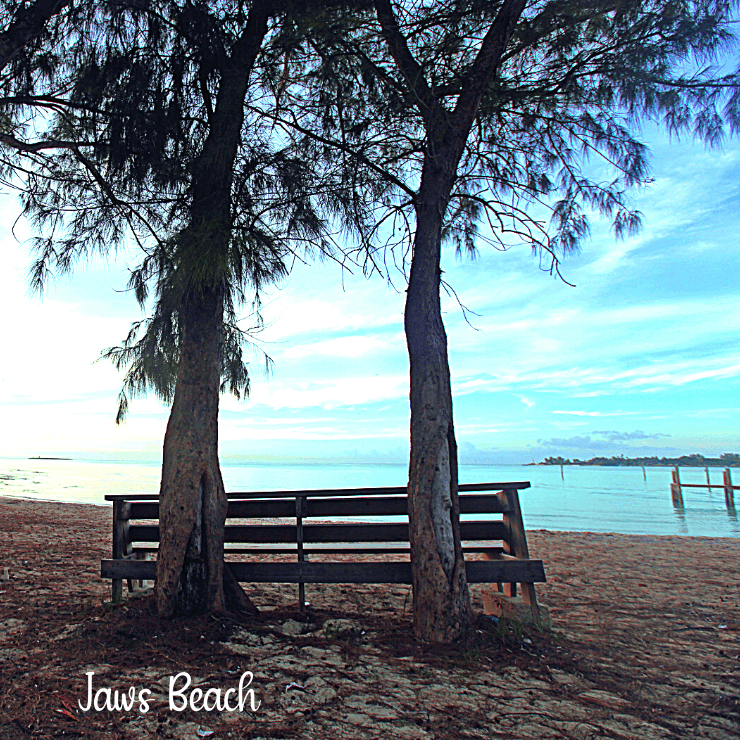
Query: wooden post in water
(709,485)
(729,492)
(644,474)
(562,476)
(676,495)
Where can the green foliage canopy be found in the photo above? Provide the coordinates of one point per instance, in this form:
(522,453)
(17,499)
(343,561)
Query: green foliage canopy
(557,130)
(113,156)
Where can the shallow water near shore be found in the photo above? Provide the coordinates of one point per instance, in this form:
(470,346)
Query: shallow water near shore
(585,499)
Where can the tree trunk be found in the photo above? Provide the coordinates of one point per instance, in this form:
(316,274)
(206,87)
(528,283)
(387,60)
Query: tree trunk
(442,609)
(191,574)
(192,497)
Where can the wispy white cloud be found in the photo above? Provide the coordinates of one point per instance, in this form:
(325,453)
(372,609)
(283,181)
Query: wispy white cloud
(615,436)
(615,258)
(596,413)
(347,392)
(350,346)
(649,339)
(318,300)
(657,374)
(606,440)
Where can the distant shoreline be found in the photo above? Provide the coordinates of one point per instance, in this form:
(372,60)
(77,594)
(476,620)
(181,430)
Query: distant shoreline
(38,457)
(727,460)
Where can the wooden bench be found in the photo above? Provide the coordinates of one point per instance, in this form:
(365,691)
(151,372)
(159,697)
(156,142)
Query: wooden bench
(309,528)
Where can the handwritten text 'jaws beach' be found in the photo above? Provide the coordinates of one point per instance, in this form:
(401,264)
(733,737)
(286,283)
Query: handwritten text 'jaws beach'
(179,698)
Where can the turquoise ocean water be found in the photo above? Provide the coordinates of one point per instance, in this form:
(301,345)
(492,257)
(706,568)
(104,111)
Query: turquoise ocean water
(587,499)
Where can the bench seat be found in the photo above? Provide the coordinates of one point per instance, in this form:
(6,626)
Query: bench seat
(478,571)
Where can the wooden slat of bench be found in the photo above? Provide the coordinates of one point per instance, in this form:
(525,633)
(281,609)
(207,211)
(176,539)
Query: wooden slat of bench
(261,509)
(322,533)
(328,507)
(508,571)
(324,492)
(338,550)
(478,571)
(144,510)
(376,506)
(143,533)
(490,571)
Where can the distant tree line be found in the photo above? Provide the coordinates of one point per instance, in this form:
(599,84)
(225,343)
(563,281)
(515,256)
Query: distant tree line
(726,460)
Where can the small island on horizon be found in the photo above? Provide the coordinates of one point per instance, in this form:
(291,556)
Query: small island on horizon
(39,457)
(726,460)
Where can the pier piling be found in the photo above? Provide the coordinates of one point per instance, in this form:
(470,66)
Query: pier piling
(729,489)
(677,486)
(676,495)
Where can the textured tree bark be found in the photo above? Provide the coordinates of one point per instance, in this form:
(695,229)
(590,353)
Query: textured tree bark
(192,496)
(441,608)
(191,574)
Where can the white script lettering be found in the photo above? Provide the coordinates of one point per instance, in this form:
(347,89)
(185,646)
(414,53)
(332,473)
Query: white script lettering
(112,699)
(199,700)
(213,698)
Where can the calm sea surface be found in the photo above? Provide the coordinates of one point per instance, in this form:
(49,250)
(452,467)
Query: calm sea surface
(587,499)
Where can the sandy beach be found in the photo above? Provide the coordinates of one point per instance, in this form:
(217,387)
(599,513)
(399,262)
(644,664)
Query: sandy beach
(645,644)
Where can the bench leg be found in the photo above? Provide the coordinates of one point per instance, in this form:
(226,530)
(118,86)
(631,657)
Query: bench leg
(121,543)
(517,546)
(510,589)
(530,598)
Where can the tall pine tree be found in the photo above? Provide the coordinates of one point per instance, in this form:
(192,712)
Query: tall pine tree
(150,143)
(476,115)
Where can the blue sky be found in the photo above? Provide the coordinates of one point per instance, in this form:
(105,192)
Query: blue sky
(641,357)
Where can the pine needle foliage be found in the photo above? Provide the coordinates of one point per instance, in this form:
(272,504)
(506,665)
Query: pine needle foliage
(104,112)
(556,137)
(111,161)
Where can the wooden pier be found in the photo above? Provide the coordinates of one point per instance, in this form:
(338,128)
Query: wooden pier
(677,487)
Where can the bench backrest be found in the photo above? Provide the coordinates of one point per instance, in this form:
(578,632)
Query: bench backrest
(383,509)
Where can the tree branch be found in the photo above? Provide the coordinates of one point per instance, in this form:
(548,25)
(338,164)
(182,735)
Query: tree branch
(387,176)
(484,67)
(411,70)
(38,146)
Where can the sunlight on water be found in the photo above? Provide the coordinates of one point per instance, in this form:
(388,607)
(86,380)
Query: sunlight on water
(586,499)
(76,481)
